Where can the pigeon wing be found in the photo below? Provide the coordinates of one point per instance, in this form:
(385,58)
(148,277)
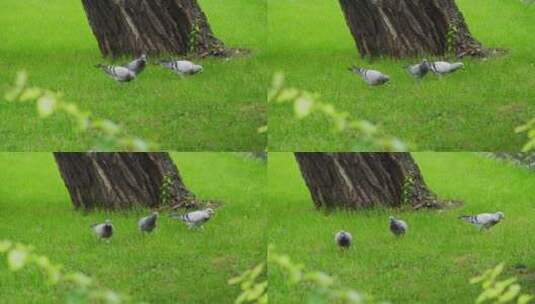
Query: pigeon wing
(196,216)
(184,66)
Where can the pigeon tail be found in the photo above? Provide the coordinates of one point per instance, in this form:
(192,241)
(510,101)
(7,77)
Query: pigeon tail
(468,218)
(183,218)
(354,68)
(180,217)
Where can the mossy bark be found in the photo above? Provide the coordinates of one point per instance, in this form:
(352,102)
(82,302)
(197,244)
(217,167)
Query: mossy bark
(409,28)
(136,27)
(121,180)
(364,180)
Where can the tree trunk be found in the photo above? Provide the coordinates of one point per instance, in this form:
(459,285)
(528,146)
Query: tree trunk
(362,180)
(136,27)
(121,180)
(408,28)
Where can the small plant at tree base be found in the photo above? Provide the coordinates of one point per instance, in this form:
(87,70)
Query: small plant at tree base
(193,37)
(505,291)
(529,129)
(109,135)
(370,137)
(408,186)
(165,190)
(450,37)
(81,288)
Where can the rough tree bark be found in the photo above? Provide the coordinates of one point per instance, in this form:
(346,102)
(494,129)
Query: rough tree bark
(121,180)
(362,180)
(135,27)
(407,28)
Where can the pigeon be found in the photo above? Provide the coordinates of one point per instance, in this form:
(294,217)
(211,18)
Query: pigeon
(119,73)
(443,67)
(138,65)
(418,70)
(182,67)
(103,230)
(371,77)
(398,227)
(483,220)
(195,219)
(148,223)
(343,239)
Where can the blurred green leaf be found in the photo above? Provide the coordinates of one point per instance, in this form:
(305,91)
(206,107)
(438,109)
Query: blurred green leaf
(106,126)
(287,95)
(46,106)
(17,258)
(262,129)
(319,278)
(30,94)
(5,245)
(304,103)
(525,299)
(303,107)
(512,292)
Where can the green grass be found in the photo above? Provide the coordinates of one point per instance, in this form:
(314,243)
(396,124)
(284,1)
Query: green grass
(435,260)
(218,110)
(475,109)
(173,265)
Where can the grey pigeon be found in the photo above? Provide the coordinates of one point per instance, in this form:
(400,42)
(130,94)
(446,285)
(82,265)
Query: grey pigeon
(483,220)
(103,230)
(443,67)
(418,70)
(148,223)
(182,67)
(118,73)
(398,227)
(195,219)
(371,77)
(343,239)
(138,65)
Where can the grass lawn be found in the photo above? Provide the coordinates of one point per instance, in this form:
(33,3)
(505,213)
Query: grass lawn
(475,109)
(435,260)
(173,265)
(218,110)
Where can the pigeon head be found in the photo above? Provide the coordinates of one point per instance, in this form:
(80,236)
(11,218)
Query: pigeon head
(197,68)
(426,64)
(500,214)
(391,218)
(355,69)
(343,239)
(210,211)
(143,57)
